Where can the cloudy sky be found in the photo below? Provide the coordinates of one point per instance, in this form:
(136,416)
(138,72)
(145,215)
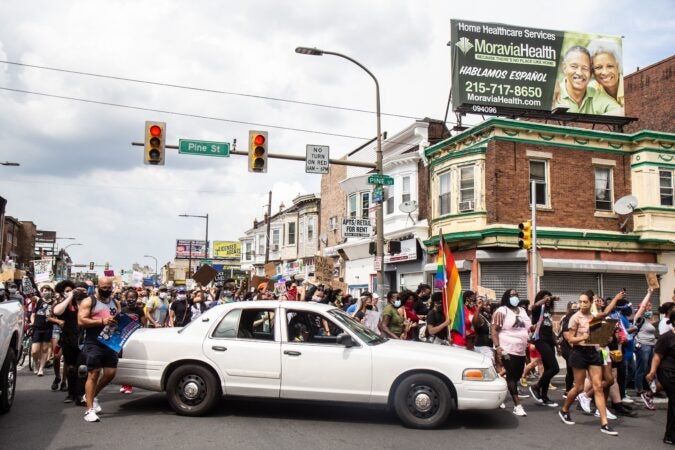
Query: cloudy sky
(80,176)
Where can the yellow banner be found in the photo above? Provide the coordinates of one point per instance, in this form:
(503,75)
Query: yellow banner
(226,249)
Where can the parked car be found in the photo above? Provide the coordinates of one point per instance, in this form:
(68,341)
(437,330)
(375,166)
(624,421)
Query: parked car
(281,350)
(11,336)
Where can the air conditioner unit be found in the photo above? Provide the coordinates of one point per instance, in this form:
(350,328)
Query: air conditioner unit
(466,206)
(275,248)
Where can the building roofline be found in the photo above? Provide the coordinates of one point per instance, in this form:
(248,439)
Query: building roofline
(651,66)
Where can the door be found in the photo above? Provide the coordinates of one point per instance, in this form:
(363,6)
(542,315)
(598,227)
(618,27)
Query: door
(246,347)
(315,367)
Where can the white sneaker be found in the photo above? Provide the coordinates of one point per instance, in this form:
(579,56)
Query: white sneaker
(585,402)
(97,406)
(90,416)
(627,399)
(518,410)
(610,416)
(502,406)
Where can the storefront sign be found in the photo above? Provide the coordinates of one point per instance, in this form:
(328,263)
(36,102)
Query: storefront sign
(408,252)
(358,228)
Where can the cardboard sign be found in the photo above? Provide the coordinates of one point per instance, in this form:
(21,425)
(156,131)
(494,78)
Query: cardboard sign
(323,269)
(256,280)
(335,284)
(270,269)
(220,279)
(109,273)
(490,294)
(601,331)
(42,270)
(7,275)
(652,280)
(205,275)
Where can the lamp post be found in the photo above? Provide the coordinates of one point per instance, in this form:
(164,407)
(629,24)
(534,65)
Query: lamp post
(379,218)
(150,256)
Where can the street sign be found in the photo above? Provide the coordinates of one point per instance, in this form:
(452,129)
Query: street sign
(317,160)
(204,148)
(381,179)
(206,261)
(359,228)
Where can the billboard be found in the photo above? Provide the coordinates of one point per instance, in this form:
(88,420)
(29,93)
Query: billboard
(227,249)
(190,248)
(499,68)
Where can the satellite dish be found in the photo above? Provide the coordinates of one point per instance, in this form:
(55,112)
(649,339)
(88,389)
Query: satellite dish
(626,205)
(408,207)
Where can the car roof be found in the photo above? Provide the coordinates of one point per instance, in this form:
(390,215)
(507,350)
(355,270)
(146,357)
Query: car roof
(288,304)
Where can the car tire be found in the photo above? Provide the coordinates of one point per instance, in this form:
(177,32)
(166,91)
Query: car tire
(422,401)
(8,381)
(192,390)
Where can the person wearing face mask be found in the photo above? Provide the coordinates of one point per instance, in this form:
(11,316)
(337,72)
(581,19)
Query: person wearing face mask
(67,312)
(510,333)
(179,312)
(42,334)
(391,324)
(198,306)
(156,311)
(408,313)
(645,340)
(423,295)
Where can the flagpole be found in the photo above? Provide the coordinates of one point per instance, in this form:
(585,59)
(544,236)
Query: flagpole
(446,306)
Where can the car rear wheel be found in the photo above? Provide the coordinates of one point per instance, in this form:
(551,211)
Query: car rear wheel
(192,390)
(422,401)
(8,381)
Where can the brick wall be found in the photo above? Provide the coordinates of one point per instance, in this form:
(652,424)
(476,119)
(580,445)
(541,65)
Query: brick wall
(649,97)
(332,203)
(571,184)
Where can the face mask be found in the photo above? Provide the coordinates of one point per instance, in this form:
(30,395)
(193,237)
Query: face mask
(369,307)
(12,291)
(162,295)
(47,295)
(228,294)
(104,293)
(316,299)
(514,301)
(181,297)
(648,314)
(397,303)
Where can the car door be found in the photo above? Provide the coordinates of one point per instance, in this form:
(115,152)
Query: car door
(246,347)
(315,367)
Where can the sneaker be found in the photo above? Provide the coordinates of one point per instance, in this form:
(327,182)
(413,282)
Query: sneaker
(536,393)
(565,417)
(518,410)
(551,387)
(64,387)
(68,399)
(564,395)
(128,390)
(648,401)
(608,430)
(610,416)
(549,403)
(90,416)
(502,406)
(523,382)
(97,406)
(40,373)
(627,399)
(55,384)
(622,410)
(584,402)
(521,395)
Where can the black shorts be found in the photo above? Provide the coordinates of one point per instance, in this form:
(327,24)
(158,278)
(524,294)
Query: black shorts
(583,357)
(70,353)
(98,356)
(42,336)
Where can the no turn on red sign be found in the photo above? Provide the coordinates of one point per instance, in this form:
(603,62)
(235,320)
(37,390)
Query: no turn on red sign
(317,160)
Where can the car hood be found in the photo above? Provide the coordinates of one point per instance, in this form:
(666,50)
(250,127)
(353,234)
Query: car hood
(426,351)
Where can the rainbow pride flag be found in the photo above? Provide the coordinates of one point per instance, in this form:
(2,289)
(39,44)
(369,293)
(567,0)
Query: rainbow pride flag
(447,279)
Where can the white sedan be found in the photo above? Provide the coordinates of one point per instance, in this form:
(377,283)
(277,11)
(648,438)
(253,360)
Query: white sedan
(305,351)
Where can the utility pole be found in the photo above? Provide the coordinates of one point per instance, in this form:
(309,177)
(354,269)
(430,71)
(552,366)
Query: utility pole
(533,249)
(269,223)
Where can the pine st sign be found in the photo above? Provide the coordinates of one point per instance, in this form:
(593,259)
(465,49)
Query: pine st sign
(356,228)
(317,160)
(203,148)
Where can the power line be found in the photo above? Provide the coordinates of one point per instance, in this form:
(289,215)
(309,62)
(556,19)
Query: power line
(199,89)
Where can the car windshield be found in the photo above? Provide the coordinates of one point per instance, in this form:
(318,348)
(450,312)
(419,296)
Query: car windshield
(356,327)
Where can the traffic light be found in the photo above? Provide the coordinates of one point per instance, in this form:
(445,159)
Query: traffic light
(525,235)
(154,143)
(394,247)
(91,265)
(257,151)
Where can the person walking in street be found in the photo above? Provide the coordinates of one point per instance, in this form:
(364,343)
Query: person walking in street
(542,316)
(95,314)
(179,312)
(42,334)
(645,340)
(663,368)
(67,312)
(391,324)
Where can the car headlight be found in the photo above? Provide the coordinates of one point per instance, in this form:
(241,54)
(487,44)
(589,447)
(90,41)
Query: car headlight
(481,374)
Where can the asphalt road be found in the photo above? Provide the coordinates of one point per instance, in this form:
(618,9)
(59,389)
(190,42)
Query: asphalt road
(39,420)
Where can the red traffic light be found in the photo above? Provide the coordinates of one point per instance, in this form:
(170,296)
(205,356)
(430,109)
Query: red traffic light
(259,139)
(155,130)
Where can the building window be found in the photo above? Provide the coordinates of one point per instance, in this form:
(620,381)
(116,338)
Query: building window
(353,200)
(301,229)
(332,223)
(603,189)
(405,194)
(248,251)
(291,233)
(444,194)
(390,199)
(275,240)
(666,187)
(310,229)
(538,175)
(466,188)
(365,204)
(261,244)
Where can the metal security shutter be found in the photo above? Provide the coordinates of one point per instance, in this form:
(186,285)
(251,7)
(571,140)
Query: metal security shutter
(568,286)
(501,276)
(465,279)
(636,288)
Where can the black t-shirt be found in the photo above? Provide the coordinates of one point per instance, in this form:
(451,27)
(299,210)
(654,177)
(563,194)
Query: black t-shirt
(133,310)
(435,318)
(665,346)
(181,313)
(546,329)
(42,311)
(359,315)
(70,332)
(421,308)
(483,338)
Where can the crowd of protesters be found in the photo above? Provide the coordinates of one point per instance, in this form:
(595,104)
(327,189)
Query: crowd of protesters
(520,336)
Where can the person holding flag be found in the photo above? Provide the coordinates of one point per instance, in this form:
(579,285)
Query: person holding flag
(447,280)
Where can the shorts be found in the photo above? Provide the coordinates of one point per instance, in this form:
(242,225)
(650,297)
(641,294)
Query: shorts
(583,357)
(98,356)
(42,336)
(534,353)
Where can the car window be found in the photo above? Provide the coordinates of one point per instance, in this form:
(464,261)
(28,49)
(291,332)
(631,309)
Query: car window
(227,328)
(256,324)
(305,326)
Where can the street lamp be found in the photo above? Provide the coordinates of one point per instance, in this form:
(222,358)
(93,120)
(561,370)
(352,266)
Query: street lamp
(70,245)
(150,256)
(9,163)
(379,219)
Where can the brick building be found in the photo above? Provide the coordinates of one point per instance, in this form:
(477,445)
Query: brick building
(11,231)
(480,191)
(649,97)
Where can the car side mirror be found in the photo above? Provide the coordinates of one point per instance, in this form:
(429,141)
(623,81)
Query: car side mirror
(345,339)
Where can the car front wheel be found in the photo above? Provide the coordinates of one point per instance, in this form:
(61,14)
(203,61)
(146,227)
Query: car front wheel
(192,390)
(422,401)
(8,381)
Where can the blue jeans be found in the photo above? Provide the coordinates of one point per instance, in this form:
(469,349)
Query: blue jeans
(643,364)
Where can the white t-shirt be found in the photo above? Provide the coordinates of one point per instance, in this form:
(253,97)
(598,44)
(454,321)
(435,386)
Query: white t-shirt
(664,327)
